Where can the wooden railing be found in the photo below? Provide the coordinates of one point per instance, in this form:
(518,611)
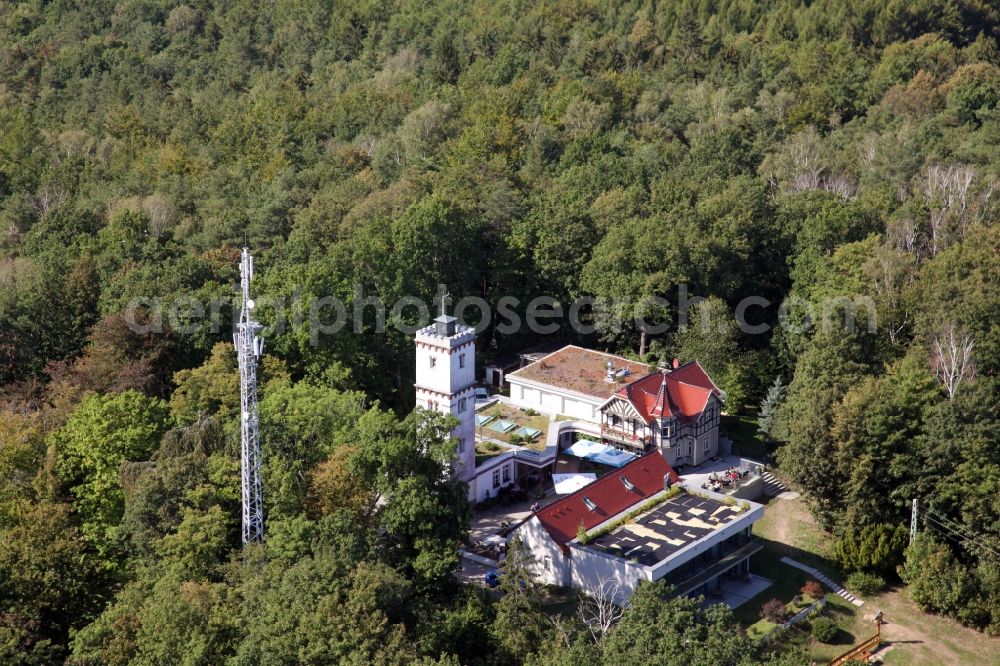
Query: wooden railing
(865,649)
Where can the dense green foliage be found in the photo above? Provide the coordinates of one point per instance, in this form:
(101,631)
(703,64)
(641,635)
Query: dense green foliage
(823,629)
(821,154)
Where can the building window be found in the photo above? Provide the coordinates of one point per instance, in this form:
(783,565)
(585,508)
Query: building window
(506,473)
(461,445)
(433,360)
(461,360)
(666,430)
(496,478)
(707,446)
(462,404)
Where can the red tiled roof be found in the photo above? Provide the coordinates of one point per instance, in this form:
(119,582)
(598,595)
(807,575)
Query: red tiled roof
(681,392)
(562,518)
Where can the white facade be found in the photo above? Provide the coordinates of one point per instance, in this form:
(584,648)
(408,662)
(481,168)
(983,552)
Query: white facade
(550,399)
(495,473)
(446,375)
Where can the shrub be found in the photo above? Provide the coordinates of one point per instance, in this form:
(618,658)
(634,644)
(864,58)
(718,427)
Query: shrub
(812,589)
(936,581)
(824,629)
(774,611)
(865,583)
(877,548)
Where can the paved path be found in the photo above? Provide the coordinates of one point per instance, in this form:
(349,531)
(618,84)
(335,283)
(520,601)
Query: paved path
(472,573)
(837,589)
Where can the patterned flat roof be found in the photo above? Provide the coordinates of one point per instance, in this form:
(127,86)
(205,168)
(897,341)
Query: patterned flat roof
(658,534)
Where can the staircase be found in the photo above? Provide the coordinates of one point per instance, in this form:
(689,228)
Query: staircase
(837,589)
(772,486)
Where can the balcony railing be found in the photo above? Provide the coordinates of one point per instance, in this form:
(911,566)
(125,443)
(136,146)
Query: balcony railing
(731,558)
(625,435)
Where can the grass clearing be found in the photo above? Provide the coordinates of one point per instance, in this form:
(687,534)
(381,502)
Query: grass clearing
(910,636)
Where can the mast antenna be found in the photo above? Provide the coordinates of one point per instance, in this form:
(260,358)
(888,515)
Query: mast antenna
(249,348)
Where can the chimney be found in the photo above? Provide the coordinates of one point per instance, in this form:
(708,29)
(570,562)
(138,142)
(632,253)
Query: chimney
(677,363)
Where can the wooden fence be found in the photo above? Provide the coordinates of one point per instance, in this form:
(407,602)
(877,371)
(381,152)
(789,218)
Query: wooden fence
(865,649)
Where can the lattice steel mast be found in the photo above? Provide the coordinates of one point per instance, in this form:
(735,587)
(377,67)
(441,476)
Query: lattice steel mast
(249,348)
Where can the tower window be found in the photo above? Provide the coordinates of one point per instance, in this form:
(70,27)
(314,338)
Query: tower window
(461,445)
(433,360)
(461,360)
(462,404)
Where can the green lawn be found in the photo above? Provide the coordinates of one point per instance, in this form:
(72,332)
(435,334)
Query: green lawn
(760,629)
(787,529)
(487,450)
(519,416)
(787,583)
(912,637)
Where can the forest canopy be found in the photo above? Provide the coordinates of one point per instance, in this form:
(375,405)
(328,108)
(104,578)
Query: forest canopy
(805,153)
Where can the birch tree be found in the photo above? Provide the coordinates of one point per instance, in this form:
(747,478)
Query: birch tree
(951,358)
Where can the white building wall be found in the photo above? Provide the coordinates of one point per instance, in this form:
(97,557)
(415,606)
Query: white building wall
(481,487)
(549,564)
(454,366)
(446,375)
(551,400)
(581,409)
(590,568)
(527,397)
(707,440)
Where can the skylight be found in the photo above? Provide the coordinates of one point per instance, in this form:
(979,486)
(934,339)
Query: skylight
(590,503)
(628,484)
